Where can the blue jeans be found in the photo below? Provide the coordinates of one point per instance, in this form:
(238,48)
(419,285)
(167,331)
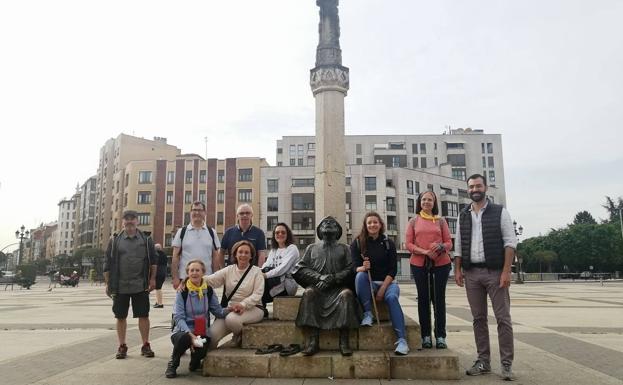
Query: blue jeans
(362,286)
(435,281)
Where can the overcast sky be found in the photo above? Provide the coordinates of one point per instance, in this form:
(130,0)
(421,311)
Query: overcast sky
(544,74)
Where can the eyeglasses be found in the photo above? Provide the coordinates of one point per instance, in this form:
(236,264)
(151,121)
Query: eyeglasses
(197,210)
(245,213)
(281,232)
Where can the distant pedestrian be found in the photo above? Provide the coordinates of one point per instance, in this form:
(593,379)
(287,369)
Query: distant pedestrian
(485,246)
(161,274)
(244,230)
(130,274)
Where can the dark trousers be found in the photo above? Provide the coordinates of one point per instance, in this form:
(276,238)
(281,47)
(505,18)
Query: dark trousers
(431,286)
(181,342)
(269,283)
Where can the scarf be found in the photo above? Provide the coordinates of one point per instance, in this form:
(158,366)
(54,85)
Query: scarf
(429,217)
(199,289)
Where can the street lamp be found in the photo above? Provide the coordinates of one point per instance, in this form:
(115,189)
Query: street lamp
(518,232)
(21,234)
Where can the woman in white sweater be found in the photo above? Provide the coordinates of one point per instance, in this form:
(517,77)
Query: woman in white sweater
(243,302)
(278,268)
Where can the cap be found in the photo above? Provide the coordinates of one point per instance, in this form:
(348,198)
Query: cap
(129,213)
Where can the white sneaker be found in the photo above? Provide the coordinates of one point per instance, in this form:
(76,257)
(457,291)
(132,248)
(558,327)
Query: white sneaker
(367,319)
(402,349)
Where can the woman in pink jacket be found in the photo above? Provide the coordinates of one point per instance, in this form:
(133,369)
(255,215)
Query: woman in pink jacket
(428,240)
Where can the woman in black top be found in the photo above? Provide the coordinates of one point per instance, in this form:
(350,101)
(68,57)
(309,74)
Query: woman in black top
(375,255)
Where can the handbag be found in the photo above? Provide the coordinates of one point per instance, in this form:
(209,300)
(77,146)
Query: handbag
(225,299)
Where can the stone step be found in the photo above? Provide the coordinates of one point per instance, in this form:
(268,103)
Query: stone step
(286,309)
(427,364)
(270,332)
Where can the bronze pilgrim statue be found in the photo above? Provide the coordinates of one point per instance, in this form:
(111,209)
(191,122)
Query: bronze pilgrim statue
(325,271)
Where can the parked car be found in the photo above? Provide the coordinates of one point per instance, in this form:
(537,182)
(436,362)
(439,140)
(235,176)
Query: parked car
(586,274)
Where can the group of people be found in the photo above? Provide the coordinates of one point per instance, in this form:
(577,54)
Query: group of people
(333,275)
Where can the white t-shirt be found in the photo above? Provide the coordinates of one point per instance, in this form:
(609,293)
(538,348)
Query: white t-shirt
(197,245)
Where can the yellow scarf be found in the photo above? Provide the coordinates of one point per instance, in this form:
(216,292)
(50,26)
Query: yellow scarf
(199,289)
(429,217)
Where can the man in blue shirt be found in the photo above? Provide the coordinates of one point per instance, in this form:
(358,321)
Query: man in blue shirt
(244,229)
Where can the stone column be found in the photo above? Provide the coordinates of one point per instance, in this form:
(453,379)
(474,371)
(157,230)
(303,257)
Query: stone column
(329,84)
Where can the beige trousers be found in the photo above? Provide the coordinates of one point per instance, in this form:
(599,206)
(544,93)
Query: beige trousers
(233,324)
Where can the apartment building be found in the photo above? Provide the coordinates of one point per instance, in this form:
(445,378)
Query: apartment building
(84,234)
(67,218)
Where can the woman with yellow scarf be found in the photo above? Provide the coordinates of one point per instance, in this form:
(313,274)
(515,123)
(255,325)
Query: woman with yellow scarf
(428,239)
(192,319)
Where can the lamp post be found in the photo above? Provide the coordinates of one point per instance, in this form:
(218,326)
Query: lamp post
(518,232)
(21,234)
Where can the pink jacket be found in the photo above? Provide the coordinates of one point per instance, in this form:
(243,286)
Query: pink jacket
(422,234)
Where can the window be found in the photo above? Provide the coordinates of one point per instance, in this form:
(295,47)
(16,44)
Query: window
(245,195)
(272,204)
(292,162)
(245,175)
(451,225)
(414,148)
(456,160)
(170,177)
(271,222)
(416,162)
(422,148)
(410,187)
(301,149)
(484,161)
(482,147)
(459,173)
(390,204)
(143,219)
(220,196)
(449,209)
(396,146)
(410,205)
(300,161)
(169,196)
(370,202)
(203,176)
(455,146)
(221,176)
(311,160)
(491,176)
(311,146)
(347,200)
(429,187)
(490,161)
(279,150)
(188,197)
(303,182)
(144,197)
(186,218)
(125,200)
(144,177)
(370,183)
(395,161)
(391,223)
(127,180)
(189,176)
(202,196)
(117,186)
(168,218)
(272,185)
(436,162)
(167,240)
(302,221)
(463,193)
(303,201)
(292,150)
(219,218)
(358,149)
(423,163)
(347,181)
(358,161)
(280,164)
(489,148)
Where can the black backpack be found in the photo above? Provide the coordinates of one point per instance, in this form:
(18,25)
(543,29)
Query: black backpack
(184,298)
(209,231)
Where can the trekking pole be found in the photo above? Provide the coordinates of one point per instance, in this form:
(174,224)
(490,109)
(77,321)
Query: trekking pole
(378,321)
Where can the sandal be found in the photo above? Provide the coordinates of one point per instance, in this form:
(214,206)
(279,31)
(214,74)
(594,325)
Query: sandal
(290,350)
(269,349)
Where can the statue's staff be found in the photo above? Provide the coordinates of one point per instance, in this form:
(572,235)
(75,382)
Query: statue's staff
(378,320)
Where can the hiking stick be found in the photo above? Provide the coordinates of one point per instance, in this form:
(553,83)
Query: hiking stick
(378,322)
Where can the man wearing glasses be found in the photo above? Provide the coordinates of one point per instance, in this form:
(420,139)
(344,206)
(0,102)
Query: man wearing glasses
(244,229)
(198,241)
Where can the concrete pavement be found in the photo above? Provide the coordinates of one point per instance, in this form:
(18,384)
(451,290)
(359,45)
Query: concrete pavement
(565,333)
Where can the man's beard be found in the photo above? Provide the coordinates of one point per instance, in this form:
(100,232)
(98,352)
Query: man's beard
(477,196)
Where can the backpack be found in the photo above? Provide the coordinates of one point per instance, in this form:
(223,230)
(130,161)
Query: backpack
(184,233)
(384,241)
(184,298)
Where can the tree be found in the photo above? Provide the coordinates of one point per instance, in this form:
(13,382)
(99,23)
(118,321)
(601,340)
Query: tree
(584,218)
(545,257)
(613,208)
(3,259)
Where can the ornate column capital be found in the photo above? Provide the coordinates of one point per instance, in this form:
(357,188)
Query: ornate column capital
(329,78)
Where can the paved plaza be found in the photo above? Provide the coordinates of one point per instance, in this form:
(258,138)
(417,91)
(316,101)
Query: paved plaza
(565,333)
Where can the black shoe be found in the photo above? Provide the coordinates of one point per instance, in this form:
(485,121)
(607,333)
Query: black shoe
(313,344)
(172,365)
(290,350)
(194,364)
(158,306)
(344,348)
